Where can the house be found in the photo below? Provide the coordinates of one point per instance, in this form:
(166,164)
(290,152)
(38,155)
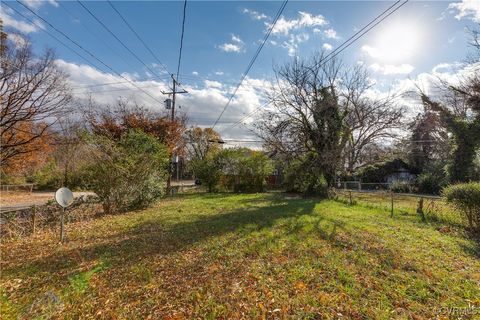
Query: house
(388,172)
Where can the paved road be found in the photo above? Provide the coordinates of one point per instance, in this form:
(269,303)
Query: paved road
(26,200)
(20,201)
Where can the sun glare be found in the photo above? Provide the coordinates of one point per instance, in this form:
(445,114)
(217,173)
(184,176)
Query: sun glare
(397,43)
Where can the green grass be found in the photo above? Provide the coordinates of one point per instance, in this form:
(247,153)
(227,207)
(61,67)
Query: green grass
(242,256)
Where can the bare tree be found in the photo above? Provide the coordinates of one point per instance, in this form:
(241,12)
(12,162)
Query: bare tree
(370,121)
(34,93)
(308,114)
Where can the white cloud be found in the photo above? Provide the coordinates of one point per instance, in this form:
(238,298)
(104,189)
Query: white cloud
(237,45)
(330,33)
(212,84)
(202,104)
(236,39)
(327,46)
(292,43)
(17,39)
(24,27)
(304,20)
(469,9)
(428,82)
(195,73)
(35,4)
(371,51)
(390,69)
(230,47)
(219,73)
(255,14)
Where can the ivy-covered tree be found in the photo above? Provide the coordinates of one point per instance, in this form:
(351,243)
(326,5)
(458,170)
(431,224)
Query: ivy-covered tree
(308,114)
(464,128)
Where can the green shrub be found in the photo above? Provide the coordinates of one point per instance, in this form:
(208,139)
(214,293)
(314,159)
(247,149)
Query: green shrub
(399,186)
(244,170)
(466,197)
(430,183)
(129,173)
(208,171)
(304,177)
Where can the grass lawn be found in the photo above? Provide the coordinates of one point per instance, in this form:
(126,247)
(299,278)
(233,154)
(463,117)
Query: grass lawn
(242,256)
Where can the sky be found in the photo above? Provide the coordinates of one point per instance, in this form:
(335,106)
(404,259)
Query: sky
(416,43)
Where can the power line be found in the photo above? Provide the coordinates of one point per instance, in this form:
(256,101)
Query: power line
(117,38)
(181,38)
(115,82)
(51,35)
(366,31)
(106,44)
(138,37)
(357,36)
(88,52)
(267,35)
(114,90)
(248,115)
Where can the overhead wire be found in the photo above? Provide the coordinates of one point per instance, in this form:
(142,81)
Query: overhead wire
(181,38)
(372,24)
(96,35)
(87,51)
(117,38)
(51,35)
(334,51)
(138,36)
(252,61)
(363,33)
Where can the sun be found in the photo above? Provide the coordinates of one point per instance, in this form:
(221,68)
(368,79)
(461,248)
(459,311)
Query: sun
(397,43)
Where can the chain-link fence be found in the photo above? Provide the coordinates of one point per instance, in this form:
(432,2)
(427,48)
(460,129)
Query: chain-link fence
(26,221)
(428,208)
(17,187)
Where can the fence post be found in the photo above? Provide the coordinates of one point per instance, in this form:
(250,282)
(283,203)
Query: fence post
(391,203)
(350,197)
(420,210)
(34,218)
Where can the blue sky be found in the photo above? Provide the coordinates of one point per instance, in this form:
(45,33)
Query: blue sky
(221,37)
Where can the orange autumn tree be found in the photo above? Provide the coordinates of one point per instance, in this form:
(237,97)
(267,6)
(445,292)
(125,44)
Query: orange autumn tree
(113,122)
(33,144)
(34,93)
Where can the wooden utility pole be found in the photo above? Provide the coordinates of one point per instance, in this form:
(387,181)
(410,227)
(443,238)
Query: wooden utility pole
(173,93)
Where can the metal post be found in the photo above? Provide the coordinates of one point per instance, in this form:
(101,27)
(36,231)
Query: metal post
(34,218)
(62,230)
(350,196)
(178,168)
(391,207)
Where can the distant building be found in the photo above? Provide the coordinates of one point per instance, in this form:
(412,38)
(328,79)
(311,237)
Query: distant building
(388,172)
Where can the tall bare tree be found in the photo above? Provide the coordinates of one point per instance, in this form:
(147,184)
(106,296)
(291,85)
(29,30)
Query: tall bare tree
(308,113)
(369,119)
(34,94)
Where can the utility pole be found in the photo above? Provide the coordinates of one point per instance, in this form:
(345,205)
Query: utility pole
(173,93)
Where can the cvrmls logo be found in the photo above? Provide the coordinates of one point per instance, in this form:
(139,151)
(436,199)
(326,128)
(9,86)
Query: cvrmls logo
(459,311)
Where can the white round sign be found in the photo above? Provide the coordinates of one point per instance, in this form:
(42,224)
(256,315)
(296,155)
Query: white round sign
(64,197)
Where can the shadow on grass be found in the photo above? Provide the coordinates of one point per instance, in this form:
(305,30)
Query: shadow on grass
(151,238)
